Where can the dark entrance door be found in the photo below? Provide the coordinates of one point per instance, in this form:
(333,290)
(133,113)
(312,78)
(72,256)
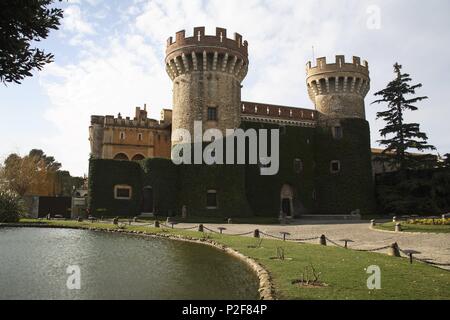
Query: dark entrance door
(286,207)
(147,205)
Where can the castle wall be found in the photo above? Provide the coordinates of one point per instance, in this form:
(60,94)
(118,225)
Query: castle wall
(352,187)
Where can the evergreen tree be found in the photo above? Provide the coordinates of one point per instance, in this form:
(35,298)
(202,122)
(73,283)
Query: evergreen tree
(398,136)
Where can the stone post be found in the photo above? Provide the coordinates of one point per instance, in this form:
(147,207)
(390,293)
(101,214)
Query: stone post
(394,251)
(116,221)
(200,228)
(372,223)
(323,240)
(156,224)
(184,212)
(256,233)
(398,227)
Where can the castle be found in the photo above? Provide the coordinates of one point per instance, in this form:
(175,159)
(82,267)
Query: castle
(325,155)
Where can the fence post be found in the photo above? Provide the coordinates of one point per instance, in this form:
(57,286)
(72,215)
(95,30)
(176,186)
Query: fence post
(200,228)
(156,224)
(394,251)
(256,233)
(323,240)
(398,227)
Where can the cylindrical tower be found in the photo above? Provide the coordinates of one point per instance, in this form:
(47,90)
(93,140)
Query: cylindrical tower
(343,172)
(338,89)
(207,72)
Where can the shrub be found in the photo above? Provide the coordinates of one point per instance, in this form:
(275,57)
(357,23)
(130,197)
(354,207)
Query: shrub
(445,222)
(11,206)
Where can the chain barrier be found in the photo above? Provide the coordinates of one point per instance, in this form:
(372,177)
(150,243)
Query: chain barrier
(270,236)
(305,239)
(405,253)
(425,260)
(373,250)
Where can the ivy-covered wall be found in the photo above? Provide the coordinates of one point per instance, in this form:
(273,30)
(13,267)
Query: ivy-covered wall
(227,180)
(241,190)
(162,176)
(263,192)
(103,176)
(353,187)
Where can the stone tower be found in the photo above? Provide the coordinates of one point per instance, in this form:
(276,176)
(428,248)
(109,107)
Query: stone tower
(343,174)
(207,71)
(338,89)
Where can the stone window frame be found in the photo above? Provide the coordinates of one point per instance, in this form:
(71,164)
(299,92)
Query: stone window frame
(123,186)
(332,162)
(140,136)
(122,135)
(208,192)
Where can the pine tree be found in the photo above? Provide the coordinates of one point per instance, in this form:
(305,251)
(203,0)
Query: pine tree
(398,136)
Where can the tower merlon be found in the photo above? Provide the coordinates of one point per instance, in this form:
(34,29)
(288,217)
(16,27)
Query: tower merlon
(338,89)
(338,66)
(202,52)
(200,39)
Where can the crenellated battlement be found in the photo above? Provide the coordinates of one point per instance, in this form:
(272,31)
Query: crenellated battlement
(203,52)
(338,66)
(200,39)
(338,89)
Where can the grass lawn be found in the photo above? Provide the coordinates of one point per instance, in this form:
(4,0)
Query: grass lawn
(343,271)
(408,227)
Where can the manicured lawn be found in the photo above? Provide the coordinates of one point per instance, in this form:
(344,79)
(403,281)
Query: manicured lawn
(343,271)
(408,227)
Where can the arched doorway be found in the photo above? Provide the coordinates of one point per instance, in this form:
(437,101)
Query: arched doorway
(121,156)
(147,200)
(138,157)
(287,200)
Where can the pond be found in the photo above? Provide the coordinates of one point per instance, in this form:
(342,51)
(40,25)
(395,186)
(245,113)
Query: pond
(34,265)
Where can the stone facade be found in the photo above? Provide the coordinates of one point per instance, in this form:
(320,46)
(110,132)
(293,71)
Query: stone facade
(338,89)
(131,139)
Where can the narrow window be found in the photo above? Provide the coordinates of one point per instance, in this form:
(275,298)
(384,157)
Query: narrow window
(140,136)
(298,165)
(335,166)
(122,135)
(211,199)
(337,132)
(212,114)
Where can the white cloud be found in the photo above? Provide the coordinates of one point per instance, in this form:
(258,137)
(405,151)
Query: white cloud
(75,22)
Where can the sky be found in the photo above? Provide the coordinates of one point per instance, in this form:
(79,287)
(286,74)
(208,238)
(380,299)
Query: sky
(109,58)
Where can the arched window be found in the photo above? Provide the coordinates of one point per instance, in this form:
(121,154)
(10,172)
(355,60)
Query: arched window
(138,157)
(122,135)
(121,156)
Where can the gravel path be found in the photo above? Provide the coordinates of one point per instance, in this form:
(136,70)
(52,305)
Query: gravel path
(435,247)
